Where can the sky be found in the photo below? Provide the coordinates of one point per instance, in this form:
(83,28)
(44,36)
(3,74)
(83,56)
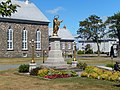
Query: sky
(73,11)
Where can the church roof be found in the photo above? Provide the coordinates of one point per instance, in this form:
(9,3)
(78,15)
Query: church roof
(63,33)
(27,11)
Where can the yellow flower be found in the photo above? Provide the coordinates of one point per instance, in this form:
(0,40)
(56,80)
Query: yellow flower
(104,76)
(94,75)
(114,77)
(84,74)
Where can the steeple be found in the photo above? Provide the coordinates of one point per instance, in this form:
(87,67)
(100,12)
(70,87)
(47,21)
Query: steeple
(64,27)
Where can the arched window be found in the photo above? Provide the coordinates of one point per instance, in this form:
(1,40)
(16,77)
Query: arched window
(63,45)
(24,40)
(9,39)
(38,40)
(69,45)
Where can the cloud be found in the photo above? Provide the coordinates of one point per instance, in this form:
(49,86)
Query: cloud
(55,11)
(104,18)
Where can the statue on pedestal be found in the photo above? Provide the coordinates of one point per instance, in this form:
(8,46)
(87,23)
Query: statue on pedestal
(55,58)
(56,24)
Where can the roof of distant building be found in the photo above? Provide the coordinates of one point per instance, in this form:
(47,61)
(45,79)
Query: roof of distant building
(27,11)
(63,33)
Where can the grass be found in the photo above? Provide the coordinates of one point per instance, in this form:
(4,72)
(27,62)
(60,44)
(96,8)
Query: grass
(95,60)
(84,58)
(18,60)
(9,80)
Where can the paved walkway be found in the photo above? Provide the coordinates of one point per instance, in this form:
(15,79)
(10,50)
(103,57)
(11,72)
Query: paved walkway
(5,67)
(107,68)
(12,66)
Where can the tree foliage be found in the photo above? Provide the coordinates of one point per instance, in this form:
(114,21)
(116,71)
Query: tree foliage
(7,8)
(92,28)
(88,49)
(114,26)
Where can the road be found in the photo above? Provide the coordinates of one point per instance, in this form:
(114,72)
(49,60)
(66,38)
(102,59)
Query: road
(12,66)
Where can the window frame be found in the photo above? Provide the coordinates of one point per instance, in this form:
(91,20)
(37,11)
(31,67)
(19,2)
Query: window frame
(24,39)
(38,39)
(10,39)
(69,46)
(63,46)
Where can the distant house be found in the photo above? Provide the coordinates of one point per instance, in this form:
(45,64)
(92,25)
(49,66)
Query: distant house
(66,40)
(17,31)
(105,45)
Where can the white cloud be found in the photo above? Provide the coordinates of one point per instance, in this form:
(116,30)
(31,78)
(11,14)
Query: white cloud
(55,11)
(104,18)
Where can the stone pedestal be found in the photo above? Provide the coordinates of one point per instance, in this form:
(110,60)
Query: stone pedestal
(32,66)
(74,63)
(55,58)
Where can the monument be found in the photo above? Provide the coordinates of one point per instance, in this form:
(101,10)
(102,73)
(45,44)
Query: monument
(55,58)
(32,64)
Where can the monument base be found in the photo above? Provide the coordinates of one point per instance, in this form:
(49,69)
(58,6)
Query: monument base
(56,66)
(55,58)
(74,63)
(32,66)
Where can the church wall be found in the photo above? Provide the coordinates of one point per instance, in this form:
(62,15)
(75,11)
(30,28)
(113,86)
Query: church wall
(17,39)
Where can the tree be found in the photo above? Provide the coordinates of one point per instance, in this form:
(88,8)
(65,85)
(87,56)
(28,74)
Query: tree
(88,49)
(92,28)
(7,8)
(114,27)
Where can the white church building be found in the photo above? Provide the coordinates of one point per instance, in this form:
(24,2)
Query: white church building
(105,45)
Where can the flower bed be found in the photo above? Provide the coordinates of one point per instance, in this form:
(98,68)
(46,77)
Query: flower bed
(97,73)
(52,74)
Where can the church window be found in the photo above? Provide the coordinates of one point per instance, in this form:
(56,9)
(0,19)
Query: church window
(38,40)
(69,45)
(10,39)
(24,40)
(63,45)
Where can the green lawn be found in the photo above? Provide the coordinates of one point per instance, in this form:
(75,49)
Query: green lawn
(88,60)
(80,83)
(18,60)
(9,80)
(95,60)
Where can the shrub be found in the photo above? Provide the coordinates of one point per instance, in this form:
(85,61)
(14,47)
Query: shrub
(82,65)
(90,51)
(84,74)
(110,65)
(89,69)
(69,62)
(80,52)
(34,72)
(70,73)
(24,68)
